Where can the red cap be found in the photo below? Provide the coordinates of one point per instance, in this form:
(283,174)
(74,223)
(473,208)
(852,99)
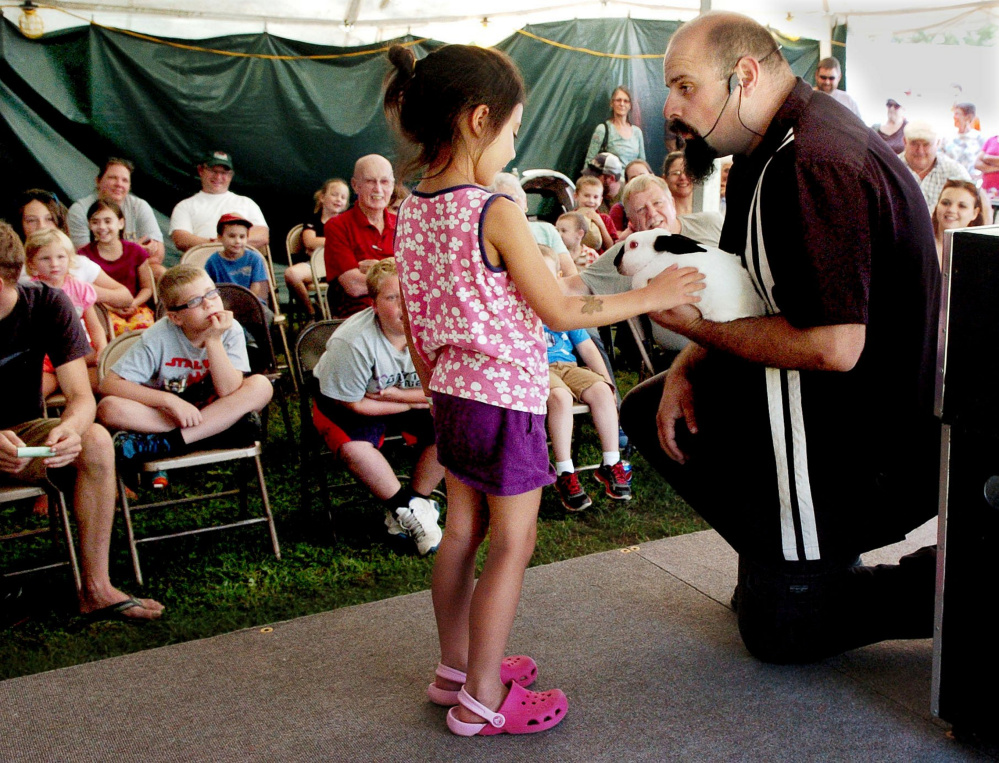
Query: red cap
(232,218)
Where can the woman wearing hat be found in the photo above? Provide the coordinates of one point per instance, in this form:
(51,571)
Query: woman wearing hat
(617,135)
(891,129)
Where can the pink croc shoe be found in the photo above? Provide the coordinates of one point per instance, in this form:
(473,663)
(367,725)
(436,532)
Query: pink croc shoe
(518,668)
(522,712)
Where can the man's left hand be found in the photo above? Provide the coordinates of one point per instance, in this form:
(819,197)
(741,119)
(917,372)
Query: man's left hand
(67,445)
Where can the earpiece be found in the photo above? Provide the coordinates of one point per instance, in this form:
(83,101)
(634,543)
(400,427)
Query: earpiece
(733,80)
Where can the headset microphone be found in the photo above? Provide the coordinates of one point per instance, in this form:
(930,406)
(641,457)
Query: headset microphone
(731,86)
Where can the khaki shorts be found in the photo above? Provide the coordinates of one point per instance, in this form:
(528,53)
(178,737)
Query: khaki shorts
(32,433)
(574,378)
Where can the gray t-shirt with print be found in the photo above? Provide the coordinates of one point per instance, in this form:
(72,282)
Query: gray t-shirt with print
(164,357)
(359,359)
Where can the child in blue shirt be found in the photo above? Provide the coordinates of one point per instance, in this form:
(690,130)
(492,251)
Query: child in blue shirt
(568,383)
(237,264)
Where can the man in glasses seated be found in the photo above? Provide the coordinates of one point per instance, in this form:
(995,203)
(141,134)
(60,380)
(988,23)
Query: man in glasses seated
(186,383)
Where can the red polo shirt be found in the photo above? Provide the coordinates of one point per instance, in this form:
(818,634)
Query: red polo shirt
(350,238)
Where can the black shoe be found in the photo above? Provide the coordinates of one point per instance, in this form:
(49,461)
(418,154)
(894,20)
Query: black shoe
(13,610)
(242,434)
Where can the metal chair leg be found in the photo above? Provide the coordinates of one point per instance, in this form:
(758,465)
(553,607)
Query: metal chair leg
(58,499)
(133,548)
(267,507)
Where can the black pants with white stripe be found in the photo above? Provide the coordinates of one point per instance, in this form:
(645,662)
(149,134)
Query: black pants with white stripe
(808,608)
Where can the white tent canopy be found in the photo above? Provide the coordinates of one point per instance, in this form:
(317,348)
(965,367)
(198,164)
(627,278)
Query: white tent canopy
(356,22)
(952,56)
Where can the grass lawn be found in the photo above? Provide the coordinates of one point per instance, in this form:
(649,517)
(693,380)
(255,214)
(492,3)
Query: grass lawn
(220,582)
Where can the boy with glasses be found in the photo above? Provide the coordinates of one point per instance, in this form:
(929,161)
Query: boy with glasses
(187,380)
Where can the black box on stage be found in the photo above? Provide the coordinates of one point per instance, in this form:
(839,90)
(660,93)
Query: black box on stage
(965,653)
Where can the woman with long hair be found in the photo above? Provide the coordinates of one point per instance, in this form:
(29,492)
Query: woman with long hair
(959,206)
(618,135)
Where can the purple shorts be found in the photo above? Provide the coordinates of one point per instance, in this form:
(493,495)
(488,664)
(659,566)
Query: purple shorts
(494,450)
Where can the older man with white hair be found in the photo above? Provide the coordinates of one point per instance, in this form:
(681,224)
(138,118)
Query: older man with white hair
(360,237)
(931,168)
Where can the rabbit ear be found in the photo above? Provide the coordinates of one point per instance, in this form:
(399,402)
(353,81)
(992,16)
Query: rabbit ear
(677,244)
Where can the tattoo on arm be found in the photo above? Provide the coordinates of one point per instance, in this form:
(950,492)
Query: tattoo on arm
(592,304)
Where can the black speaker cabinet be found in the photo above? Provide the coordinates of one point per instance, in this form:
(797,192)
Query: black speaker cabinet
(966,646)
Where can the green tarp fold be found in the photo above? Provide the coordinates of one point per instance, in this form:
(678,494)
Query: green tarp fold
(72,98)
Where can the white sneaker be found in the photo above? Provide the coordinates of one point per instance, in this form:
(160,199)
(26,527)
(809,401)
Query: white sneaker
(419,520)
(393,526)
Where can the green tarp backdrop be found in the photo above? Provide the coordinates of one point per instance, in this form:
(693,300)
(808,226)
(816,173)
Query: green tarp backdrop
(290,113)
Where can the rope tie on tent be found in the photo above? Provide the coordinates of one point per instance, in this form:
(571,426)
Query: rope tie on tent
(265,56)
(587,50)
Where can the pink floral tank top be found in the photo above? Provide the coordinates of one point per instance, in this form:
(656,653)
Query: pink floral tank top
(470,323)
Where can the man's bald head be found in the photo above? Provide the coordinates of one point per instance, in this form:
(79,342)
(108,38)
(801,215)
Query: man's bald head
(726,37)
(372,163)
(373,182)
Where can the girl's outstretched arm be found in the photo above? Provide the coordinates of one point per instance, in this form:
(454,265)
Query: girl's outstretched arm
(509,243)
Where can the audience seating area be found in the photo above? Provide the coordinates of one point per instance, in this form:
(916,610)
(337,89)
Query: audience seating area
(195,458)
(290,374)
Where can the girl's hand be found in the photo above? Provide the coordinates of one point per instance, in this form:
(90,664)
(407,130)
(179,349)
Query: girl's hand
(675,286)
(127,312)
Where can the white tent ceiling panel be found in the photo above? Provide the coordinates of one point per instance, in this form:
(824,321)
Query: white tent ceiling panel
(354,22)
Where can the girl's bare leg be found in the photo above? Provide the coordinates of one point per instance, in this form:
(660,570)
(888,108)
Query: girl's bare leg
(512,533)
(454,572)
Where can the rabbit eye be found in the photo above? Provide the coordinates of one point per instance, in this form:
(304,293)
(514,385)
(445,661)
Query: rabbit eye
(633,245)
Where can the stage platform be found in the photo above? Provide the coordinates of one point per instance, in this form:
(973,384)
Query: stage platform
(642,640)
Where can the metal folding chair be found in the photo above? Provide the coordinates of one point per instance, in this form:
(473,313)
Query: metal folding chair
(293,242)
(58,520)
(111,354)
(317,261)
(308,349)
(642,334)
(249,311)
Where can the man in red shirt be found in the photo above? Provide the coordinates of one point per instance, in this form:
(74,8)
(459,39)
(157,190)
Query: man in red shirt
(359,237)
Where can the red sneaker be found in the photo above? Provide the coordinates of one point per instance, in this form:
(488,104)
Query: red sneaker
(616,481)
(571,493)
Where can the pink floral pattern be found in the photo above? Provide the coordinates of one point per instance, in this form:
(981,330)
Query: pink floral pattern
(470,324)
